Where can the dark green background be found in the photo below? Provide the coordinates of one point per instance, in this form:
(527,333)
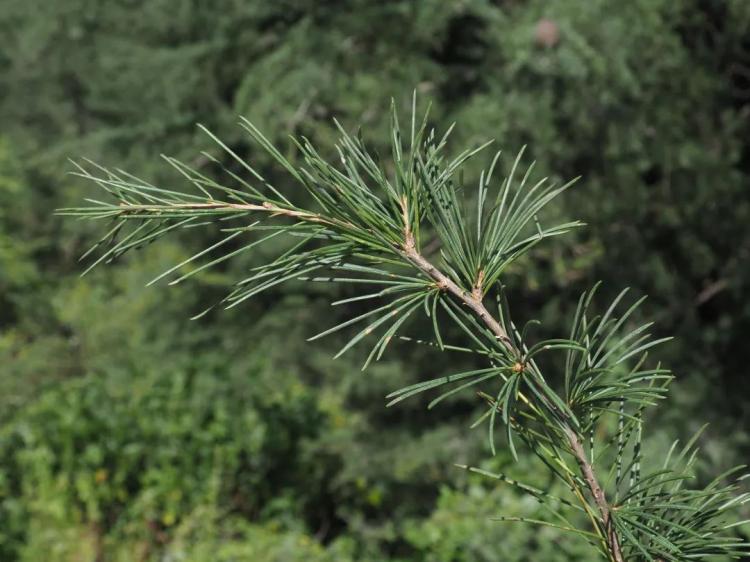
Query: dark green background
(129,432)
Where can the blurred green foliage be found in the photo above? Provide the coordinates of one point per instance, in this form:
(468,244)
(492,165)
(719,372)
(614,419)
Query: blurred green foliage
(130,433)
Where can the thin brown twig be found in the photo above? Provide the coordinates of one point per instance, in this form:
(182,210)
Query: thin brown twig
(266,207)
(474,302)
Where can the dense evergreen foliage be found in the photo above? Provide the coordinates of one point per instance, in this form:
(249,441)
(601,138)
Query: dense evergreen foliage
(109,391)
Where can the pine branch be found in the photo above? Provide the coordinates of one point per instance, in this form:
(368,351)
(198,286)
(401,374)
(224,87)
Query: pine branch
(366,227)
(473,301)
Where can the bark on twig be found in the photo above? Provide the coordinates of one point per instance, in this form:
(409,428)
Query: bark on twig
(474,302)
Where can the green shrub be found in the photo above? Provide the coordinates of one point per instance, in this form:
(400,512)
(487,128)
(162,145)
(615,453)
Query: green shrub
(131,455)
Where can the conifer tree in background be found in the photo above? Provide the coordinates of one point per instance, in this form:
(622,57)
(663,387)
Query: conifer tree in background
(576,402)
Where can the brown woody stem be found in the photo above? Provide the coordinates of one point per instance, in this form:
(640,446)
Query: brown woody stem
(473,301)
(219,205)
(605,511)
